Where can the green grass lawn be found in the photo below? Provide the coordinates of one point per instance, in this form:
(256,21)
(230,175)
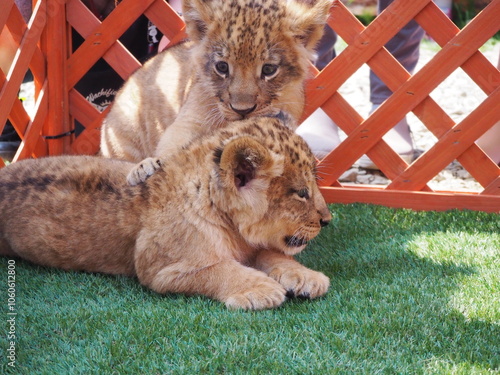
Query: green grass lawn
(411,293)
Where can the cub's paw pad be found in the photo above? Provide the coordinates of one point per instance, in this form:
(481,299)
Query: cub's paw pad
(300,282)
(143,170)
(263,296)
(291,294)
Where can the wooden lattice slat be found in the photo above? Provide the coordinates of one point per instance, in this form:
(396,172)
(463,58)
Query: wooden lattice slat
(20,63)
(101,42)
(84,22)
(18,27)
(167,20)
(410,93)
(363,47)
(105,35)
(435,201)
(32,141)
(460,137)
(407,96)
(438,122)
(28,55)
(88,142)
(450,146)
(390,71)
(5,7)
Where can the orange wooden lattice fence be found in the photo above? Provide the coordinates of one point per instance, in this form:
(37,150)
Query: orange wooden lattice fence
(43,46)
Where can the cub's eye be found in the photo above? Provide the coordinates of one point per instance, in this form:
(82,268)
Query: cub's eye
(222,68)
(303,193)
(269,70)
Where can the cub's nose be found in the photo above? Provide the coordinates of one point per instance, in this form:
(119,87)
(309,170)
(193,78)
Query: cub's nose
(324,223)
(245,111)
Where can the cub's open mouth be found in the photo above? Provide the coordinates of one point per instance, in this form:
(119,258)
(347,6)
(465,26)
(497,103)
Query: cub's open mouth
(294,241)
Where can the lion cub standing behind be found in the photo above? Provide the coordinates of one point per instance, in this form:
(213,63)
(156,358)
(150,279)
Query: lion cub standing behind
(244,59)
(221,218)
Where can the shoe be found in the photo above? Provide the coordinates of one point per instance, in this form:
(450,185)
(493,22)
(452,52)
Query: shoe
(398,138)
(320,133)
(366,163)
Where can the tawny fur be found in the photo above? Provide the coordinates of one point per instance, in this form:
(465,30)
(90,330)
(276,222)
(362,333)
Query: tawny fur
(180,93)
(221,218)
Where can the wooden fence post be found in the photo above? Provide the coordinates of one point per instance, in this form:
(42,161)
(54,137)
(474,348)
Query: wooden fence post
(55,46)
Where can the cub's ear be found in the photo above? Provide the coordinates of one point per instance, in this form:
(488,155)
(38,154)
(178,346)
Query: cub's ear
(246,163)
(308,19)
(197,15)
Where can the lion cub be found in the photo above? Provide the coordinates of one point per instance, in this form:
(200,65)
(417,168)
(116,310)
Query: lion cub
(244,59)
(221,218)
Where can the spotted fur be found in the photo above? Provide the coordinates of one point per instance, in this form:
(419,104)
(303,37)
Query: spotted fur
(223,217)
(245,58)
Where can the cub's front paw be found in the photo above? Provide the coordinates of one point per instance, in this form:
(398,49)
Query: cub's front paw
(143,170)
(265,295)
(301,282)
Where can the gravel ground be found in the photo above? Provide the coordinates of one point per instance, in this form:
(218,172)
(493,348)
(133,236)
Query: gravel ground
(458,95)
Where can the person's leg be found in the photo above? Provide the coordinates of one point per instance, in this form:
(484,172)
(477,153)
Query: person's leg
(318,130)
(322,134)
(25,8)
(326,50)
(404,46)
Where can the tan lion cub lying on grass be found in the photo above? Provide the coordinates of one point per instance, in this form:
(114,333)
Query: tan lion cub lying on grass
(222,218)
